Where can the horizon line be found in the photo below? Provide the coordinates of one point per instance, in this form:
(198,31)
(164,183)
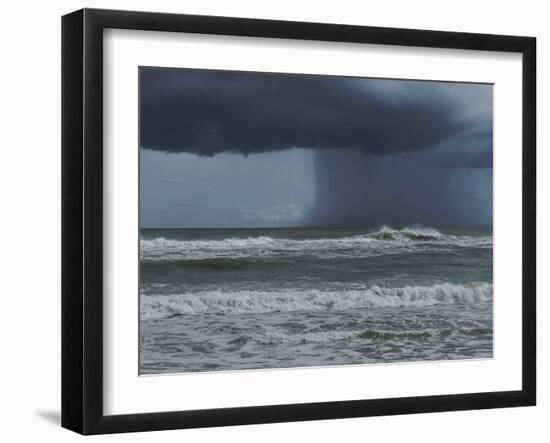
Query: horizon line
(418,225)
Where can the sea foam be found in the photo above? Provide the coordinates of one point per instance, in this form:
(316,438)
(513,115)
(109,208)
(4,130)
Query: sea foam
(287,300)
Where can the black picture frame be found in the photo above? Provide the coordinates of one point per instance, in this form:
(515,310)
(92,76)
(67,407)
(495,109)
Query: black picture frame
(82,218)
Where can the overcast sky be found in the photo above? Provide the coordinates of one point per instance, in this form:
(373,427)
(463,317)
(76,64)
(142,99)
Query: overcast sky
(238,149)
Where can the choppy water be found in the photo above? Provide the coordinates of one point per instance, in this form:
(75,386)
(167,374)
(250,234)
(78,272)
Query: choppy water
(232,299)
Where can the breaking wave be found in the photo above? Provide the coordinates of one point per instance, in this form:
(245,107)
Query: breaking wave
(384,241)
(415,233)
(255,302)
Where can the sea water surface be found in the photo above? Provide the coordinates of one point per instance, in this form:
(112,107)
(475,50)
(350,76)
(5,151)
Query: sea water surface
(229,299)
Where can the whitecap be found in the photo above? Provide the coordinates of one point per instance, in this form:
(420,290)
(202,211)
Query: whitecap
(156,306)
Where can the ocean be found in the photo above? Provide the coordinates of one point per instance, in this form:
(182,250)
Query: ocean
(232,299)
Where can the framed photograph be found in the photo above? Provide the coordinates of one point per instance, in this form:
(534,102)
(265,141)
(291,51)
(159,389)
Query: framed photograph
(269,221)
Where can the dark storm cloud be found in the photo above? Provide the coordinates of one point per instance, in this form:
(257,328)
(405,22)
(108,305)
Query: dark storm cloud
(391,152)
(209,112)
